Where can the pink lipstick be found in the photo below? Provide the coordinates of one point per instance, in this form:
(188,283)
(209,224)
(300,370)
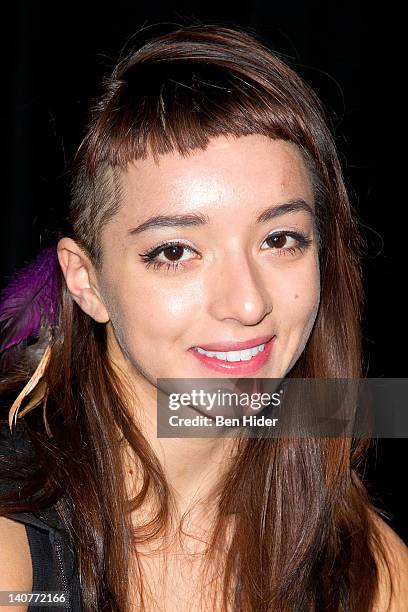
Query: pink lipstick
(235,368)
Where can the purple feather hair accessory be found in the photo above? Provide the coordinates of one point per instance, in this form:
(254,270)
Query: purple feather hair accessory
(30,298)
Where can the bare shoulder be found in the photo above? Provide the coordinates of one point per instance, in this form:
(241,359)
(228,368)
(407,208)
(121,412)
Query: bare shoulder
(16,572)
(397,557)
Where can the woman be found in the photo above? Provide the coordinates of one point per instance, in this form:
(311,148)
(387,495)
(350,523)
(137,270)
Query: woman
(208,212)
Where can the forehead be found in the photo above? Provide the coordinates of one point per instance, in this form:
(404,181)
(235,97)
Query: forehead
(230,172)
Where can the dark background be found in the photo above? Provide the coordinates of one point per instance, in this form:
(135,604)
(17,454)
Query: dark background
(53,57)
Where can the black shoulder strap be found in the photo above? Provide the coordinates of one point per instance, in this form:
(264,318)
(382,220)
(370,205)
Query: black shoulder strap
(53,558)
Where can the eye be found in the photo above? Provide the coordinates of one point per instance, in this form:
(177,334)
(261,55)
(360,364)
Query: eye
(173,251)
(279,240)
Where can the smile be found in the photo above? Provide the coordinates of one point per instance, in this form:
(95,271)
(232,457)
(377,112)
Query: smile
(244,362)
(244,355)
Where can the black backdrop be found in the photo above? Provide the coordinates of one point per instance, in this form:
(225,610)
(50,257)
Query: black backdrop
(53,57)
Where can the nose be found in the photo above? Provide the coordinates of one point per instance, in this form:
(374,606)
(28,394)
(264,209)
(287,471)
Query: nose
(238,291)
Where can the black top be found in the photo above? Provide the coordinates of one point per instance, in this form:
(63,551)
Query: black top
(52,555)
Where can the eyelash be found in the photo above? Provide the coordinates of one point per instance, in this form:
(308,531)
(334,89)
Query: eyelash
(150,257)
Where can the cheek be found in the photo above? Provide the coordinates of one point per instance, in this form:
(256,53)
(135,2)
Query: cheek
(299,299)
(155,312)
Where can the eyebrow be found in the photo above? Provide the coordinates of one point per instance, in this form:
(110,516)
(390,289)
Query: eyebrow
(199,219)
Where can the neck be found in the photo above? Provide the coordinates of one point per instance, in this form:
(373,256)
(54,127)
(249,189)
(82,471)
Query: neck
(192,466)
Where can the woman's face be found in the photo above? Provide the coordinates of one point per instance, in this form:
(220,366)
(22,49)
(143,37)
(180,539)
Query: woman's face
(237,273)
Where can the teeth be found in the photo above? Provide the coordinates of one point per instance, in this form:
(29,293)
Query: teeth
(245,355)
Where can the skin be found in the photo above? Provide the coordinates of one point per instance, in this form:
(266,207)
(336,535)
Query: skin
(233,286)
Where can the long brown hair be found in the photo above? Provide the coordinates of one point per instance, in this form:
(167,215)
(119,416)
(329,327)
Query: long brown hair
(304,538)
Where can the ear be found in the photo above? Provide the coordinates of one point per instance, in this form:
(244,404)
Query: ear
(80,278)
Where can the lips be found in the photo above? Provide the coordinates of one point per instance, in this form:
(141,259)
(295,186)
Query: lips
(236,368)
(235,345)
